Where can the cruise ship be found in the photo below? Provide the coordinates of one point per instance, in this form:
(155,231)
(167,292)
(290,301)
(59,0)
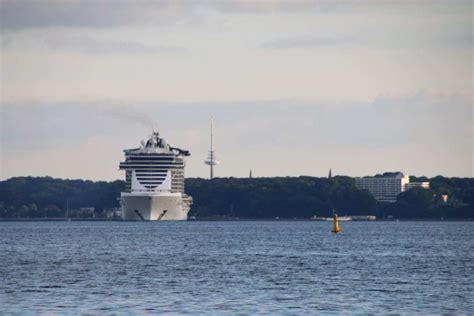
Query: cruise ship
(154,176)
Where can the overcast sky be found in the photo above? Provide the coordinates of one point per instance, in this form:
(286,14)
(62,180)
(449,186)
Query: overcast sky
(295,87)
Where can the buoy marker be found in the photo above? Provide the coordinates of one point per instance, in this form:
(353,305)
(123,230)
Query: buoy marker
(335,223)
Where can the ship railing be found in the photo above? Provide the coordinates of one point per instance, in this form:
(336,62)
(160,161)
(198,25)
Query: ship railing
(149,190)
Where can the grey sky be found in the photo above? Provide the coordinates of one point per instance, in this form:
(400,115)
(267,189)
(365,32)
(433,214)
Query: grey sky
(295,87)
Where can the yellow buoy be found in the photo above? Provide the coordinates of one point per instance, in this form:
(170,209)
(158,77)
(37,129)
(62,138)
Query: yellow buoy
(335,224)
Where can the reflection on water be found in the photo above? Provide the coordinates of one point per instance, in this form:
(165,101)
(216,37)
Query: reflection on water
(236,267)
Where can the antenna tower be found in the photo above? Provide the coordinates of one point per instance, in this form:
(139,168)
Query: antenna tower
(211,158)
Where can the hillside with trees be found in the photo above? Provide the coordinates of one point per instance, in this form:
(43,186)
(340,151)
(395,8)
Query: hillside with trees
(301,197)
(282,197)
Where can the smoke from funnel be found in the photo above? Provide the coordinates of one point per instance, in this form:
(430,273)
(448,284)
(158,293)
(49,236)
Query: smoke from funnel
(131,115)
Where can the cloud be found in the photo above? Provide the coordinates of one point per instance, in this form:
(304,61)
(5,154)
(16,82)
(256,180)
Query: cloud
(286,6)
(375,39)
(27,14)
(18,15)
(89,45)
(420,134)
(311,42)
(51,13)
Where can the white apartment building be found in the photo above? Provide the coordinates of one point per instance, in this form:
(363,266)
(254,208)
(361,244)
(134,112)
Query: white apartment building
(387,187)
(411,185)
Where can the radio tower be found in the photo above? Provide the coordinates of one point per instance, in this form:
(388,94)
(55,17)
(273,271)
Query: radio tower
(211,159)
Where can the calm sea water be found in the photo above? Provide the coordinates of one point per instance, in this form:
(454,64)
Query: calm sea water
(236,267)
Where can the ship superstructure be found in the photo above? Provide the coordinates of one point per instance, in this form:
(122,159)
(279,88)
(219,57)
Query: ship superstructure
(154,176)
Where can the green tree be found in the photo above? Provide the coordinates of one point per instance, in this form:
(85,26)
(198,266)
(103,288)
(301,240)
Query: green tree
(23,211)
(416,202)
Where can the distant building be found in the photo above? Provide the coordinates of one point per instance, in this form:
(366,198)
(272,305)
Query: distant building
(363,217)
(330,174)
(386,187)
(82,212)
(444,198)
(87,210)
(115,212)
(411,185)
(250,174)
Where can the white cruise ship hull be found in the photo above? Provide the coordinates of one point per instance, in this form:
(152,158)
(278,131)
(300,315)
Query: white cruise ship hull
(153,207)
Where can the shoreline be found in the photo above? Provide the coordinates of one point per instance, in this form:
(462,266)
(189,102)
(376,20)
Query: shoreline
(232,220)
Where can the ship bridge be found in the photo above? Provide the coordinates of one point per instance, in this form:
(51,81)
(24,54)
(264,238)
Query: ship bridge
(154,167)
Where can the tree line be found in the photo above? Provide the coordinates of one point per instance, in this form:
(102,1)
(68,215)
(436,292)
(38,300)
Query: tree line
(282,197)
